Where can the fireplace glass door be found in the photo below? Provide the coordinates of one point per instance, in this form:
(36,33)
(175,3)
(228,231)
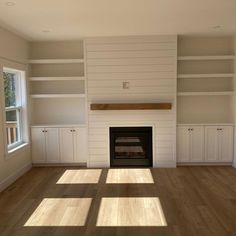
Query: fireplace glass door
(131,146)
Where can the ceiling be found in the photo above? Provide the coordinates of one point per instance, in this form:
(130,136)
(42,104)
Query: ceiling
(73,19)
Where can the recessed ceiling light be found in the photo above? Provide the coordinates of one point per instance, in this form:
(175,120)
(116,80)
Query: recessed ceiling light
(10,4)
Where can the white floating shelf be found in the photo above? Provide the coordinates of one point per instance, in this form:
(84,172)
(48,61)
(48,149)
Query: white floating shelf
(55,61)
(200,58)
(192,76)
(58,95)
(79,78)
(223,93)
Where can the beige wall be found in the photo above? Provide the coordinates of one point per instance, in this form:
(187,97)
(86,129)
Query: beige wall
(13,52)
(234,103)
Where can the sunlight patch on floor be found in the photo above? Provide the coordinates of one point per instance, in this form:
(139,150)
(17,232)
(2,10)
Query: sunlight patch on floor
(60,212)
(122,212)
(80,177)
(129,176)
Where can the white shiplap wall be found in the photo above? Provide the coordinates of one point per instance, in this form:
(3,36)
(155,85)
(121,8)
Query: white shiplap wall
(148,63)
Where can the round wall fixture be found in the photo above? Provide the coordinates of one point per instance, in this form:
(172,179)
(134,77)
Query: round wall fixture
(10,4)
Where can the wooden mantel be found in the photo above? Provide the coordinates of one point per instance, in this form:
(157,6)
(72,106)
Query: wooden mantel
(131,106)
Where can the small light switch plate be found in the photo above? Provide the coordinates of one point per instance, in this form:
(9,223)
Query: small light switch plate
(125,85)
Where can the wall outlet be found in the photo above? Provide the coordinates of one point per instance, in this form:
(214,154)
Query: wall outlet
(125,85)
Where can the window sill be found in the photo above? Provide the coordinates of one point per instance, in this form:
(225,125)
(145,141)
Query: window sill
(12,152)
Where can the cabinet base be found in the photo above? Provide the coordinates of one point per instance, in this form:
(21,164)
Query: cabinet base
(204,163)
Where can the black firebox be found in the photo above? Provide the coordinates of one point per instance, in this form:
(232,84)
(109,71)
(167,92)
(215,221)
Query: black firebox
(131,146)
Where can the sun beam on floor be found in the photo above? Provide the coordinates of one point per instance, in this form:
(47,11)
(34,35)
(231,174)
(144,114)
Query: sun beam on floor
(129,212)
(91,176)
(60,212)
(129,176)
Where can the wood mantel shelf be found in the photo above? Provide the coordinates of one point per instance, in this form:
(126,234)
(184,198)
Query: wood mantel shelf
(131,106)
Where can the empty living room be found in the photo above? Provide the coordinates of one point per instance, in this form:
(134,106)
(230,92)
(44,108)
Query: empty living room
(117,118)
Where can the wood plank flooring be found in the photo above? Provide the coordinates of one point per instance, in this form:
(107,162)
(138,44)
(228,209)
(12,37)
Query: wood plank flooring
(186,201)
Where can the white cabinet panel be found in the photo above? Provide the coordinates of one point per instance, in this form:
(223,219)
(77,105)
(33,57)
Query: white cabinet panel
(52,145)
(211,147)
(80,145)
(197,144)
(38,145)
(226,144)
(183,144)
(66,145)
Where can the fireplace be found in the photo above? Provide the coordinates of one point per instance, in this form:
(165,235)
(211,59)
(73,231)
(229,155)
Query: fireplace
(131,146)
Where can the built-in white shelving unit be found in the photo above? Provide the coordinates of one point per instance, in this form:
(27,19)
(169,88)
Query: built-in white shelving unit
(205,80)
(58,84)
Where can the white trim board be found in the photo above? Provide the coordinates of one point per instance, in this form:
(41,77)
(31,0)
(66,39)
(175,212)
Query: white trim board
(55,61)
(12,178)
(199,76)
(58,78)
(200,58)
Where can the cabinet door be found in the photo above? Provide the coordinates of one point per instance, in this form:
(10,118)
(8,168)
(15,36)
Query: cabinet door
(80,145)
(183,144)
(38,145)
(211,144)
(52,145)
(225,143)
(197,144)
(66,145)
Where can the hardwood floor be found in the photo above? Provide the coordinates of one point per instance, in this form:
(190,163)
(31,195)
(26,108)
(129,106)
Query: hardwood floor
(186,201)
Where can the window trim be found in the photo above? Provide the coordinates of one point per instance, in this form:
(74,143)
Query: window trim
(23,87)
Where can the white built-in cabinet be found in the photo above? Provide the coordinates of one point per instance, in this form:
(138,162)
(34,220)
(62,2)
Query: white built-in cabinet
(59,145)
(204,144)
(219,143)
(45,145)
(190,143)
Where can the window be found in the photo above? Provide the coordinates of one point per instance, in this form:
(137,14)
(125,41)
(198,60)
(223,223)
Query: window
(14,92)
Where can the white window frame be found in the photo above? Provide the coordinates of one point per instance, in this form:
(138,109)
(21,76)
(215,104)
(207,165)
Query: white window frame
(21,109)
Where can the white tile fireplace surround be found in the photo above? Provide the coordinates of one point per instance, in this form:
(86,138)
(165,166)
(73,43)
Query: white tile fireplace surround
(148,64)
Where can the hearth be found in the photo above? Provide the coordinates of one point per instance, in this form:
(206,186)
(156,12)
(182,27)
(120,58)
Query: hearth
(131,146)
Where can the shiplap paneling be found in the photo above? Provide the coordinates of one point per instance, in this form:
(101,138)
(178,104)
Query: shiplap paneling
(148,63)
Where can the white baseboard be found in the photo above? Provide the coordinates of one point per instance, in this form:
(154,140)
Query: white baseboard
(234,164)
(80,164)
(165,164)
(98,164)
(12,178)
